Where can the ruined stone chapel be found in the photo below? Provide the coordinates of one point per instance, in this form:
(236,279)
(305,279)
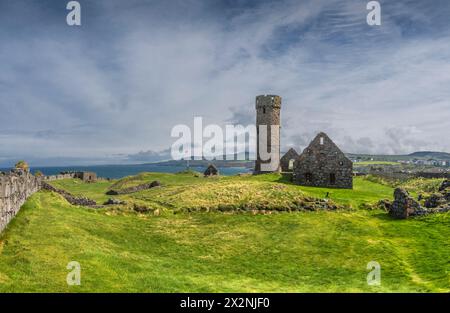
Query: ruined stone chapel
(321,164)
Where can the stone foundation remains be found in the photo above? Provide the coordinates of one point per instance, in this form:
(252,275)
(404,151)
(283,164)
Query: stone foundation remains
(59,176)
(133,189)
(405,206)
(84,176)
(69,197)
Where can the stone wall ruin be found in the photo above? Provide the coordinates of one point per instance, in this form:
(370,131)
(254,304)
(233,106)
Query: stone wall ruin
(15,188)
(18,185)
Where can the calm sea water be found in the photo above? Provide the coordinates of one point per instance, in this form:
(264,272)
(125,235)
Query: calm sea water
(118,171)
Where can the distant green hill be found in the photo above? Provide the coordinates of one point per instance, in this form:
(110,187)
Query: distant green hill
(393,157)
(430,154)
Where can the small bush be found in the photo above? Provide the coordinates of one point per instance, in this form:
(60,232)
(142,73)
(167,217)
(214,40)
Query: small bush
(391,182)
(22,165)
(423,185)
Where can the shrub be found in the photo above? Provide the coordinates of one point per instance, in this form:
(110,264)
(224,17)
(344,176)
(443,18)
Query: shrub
(22,165)
(423,185)
(391,182)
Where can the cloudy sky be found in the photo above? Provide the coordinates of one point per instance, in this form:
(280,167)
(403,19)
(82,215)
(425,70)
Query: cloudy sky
(110,90)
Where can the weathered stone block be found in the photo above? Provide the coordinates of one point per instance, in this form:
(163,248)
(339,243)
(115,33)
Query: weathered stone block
(403,205)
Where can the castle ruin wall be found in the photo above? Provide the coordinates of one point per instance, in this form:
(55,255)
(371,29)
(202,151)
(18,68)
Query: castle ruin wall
(15,188)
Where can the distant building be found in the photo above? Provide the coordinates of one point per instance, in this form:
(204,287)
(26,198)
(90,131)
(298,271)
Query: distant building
(87,177)
(288,159)
(211,171)
(431,162)
(323,164)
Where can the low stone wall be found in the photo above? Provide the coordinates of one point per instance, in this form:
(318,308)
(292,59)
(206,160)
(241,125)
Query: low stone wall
(59,176)
(137,188)
(433,175)
(392,175)
(15,188)
(69,197)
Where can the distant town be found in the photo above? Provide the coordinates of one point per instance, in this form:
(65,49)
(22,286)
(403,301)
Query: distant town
(421,158)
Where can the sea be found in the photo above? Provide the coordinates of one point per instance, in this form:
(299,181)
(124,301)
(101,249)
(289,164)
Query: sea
(119,171)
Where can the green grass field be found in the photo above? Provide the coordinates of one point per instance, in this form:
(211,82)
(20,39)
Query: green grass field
(123,251)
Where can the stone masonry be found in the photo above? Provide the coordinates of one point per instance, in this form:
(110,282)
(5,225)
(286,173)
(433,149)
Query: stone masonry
(323,164)
(15,188)
(59,176)
(124,191)
(84,176)
(268,117)
(211,170)
(18,185)
(87,177)
(286,160)
(403,205)
(69,197)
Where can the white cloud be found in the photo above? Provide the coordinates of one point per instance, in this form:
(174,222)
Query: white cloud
(120,83)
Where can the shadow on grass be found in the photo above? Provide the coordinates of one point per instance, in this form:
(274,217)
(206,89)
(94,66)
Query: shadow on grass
(383,216)
(285,178)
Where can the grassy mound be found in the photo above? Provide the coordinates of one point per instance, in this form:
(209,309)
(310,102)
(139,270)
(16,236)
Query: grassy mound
(188,191)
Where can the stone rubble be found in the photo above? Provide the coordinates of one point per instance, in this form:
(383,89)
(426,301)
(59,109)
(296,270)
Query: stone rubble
(113,201)
(115,192)
(405,206)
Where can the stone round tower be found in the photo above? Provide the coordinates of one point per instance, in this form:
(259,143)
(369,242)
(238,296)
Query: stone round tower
(268,114)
